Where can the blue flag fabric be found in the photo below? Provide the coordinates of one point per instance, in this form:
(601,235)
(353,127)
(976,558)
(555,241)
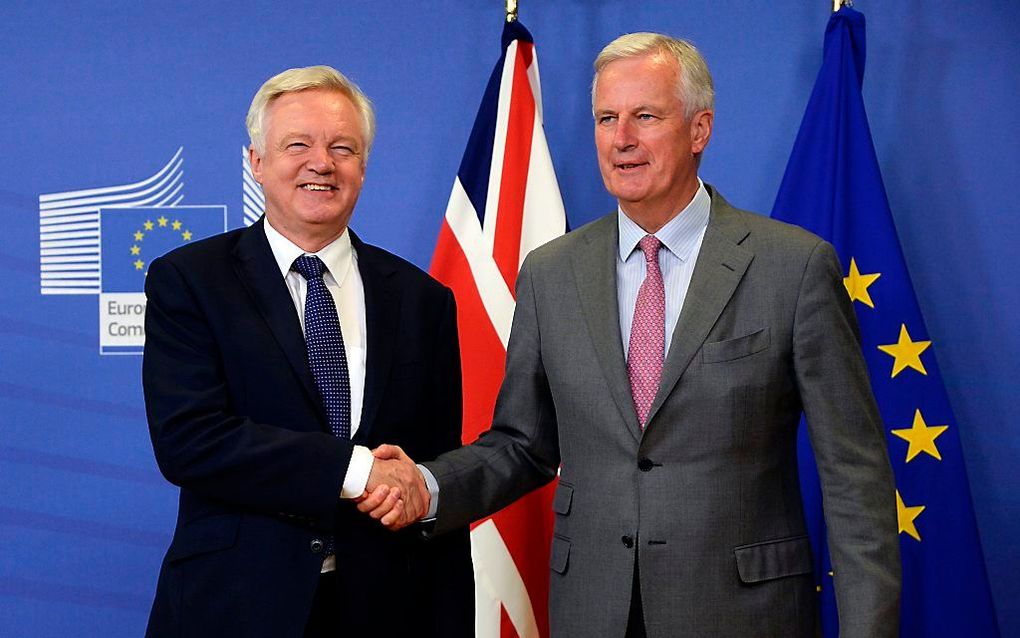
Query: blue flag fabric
(833,187)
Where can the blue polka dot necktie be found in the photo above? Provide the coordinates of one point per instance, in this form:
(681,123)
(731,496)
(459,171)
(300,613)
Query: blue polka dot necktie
(325,342)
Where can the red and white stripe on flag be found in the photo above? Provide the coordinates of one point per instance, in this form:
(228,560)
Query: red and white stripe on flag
(505,202)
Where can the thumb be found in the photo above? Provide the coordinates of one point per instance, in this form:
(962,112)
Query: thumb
(386,452)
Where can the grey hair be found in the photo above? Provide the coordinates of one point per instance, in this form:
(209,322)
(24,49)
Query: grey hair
(696,91)
(303,79)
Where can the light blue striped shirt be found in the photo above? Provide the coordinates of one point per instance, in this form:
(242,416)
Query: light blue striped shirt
(681,239)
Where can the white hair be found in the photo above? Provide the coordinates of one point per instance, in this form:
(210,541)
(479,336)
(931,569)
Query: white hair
(694,82)
(303,79)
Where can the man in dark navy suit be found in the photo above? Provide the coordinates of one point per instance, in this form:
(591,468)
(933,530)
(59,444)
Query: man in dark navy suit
(276,357)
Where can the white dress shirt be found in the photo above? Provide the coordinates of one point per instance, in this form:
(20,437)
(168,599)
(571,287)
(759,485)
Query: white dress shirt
(343,280)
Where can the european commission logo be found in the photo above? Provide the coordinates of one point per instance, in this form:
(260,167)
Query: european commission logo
(101,241)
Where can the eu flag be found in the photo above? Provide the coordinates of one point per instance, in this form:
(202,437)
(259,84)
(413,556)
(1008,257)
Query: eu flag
(132,237)
(833,187)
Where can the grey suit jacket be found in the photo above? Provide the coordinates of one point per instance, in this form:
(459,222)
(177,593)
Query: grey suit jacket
(707,497)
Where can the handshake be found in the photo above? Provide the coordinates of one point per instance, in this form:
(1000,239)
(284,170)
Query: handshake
(396,494)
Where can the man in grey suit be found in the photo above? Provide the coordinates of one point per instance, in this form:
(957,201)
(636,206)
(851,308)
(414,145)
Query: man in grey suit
(661,358)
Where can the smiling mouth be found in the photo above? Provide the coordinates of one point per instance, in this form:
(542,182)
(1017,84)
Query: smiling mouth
(629,167)
(317,187)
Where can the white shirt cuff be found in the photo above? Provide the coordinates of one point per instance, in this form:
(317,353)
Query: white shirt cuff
(433,486)
(358,471)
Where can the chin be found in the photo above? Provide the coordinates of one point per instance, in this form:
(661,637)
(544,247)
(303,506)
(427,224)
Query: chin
(629,195)
(326,216)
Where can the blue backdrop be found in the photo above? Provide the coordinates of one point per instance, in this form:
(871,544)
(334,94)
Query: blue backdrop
(102,96)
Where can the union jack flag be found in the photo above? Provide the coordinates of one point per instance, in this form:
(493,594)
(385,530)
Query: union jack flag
(505,202)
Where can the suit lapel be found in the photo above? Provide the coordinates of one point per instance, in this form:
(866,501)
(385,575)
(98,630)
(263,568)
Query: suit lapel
(721,265)
(260,276)
(382,308)
(595,275)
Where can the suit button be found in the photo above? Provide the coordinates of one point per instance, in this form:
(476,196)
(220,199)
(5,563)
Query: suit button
(627,541)
(645,465)
(317,546)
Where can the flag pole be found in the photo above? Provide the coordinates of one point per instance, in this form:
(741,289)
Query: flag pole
(511,10)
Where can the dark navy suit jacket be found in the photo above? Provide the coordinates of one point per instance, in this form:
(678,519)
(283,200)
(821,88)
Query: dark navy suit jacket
(236,422)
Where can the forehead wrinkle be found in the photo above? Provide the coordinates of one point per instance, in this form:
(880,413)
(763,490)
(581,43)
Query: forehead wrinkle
(336,108)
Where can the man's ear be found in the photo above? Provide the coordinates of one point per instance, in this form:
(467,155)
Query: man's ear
(256,163)
(701,130)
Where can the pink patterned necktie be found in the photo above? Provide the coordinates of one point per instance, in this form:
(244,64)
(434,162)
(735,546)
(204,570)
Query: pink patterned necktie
(647,332)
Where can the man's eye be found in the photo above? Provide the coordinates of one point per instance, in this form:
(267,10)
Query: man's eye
(343,150)
(607,119)
(297,145)
(646,117)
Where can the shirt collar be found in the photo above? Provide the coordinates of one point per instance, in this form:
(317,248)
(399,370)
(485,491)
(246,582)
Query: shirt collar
(680,235)
(337,255)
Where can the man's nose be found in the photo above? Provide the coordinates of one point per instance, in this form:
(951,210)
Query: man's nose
(624,137)
(320,161)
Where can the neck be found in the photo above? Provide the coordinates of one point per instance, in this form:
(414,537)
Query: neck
(651,216)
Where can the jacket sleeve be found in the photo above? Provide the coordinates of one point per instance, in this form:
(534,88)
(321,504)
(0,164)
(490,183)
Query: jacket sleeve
(849,445)
(202,440)
(520,452)
(445,418)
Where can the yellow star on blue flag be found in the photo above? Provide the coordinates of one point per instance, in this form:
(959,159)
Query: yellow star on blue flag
(906,353)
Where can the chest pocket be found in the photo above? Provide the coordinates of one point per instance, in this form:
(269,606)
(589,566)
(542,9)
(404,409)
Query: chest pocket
(737,348)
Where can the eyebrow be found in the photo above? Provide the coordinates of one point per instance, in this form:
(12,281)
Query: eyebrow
(345,138)
(295,135)
(635,109)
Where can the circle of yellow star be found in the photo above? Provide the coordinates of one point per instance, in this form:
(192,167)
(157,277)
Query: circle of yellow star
(906,353)
(148,224)
(135,250)
(186,235)
(176,225)
(857,284)
(905,517)
(138,264)
(162,221)
(139,235)
(921,437)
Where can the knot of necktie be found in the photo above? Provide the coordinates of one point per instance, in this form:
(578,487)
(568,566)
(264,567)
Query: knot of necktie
(650,246)
(310,267)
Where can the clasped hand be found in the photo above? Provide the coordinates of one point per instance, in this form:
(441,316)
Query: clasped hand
(396,494)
